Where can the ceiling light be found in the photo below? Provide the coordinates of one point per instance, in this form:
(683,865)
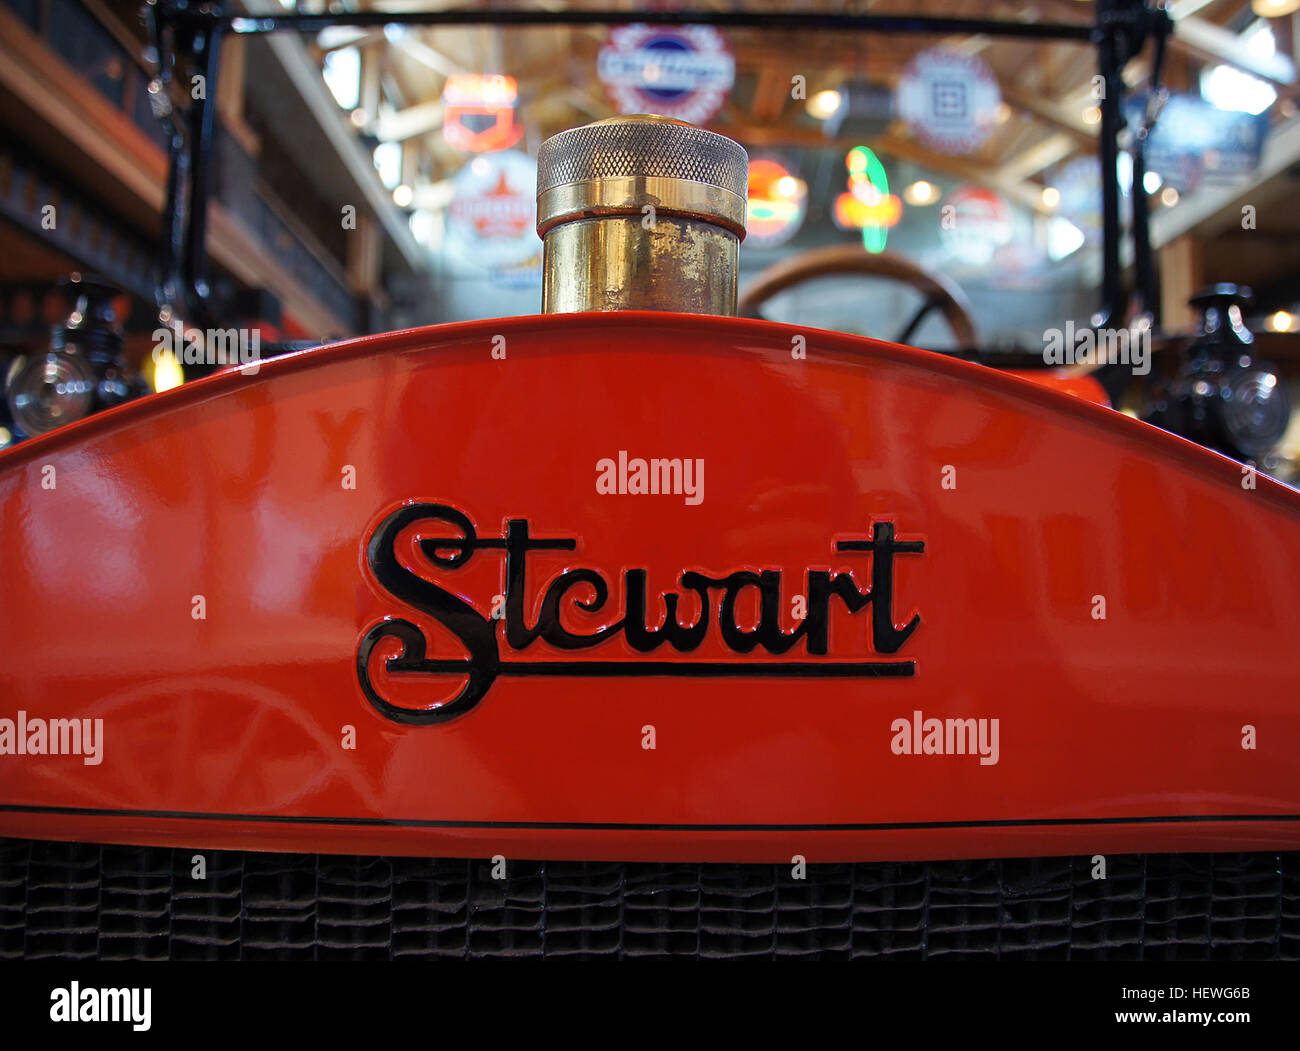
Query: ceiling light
(824,103)
(921,192)
(1274,8)
(1051,196)
(403,195)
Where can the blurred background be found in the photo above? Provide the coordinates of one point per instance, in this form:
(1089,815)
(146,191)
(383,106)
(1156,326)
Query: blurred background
(369,178)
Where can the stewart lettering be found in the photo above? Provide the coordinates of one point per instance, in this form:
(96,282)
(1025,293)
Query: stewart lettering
(477,631)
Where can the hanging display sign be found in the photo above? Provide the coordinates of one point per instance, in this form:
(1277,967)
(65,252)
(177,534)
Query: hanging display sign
(1079,184)
(527,274)
(949,100)
(777,203)
(865,111)
(479,112)
(1195,141)
(868,205)
(676,71)
(978,224)
(492,217)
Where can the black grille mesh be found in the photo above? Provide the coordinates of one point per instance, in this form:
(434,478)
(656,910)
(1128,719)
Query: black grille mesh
(111,902)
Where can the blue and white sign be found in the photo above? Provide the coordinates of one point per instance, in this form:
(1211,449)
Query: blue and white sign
(1194,141)
(683,72)
(1079,184)
(949,100)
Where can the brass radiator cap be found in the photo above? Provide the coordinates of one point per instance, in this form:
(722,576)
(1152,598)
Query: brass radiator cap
(641,213)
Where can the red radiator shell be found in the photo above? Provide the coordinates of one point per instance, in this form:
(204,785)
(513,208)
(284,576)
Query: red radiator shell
(1116,734)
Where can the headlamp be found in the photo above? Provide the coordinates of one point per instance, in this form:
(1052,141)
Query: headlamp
(49,390)
(1222,396)
(83,370)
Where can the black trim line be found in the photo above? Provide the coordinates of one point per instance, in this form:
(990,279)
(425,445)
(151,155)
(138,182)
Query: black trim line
(687,669)
(615,826)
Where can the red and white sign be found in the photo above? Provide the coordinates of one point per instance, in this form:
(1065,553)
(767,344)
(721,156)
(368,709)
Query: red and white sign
(777,203)
(493,215)
(978,225)
(479,112)
(949,100)
(683,71)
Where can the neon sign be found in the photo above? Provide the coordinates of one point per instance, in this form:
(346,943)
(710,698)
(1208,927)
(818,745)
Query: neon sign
(776,202)
(479,112)
(868,205)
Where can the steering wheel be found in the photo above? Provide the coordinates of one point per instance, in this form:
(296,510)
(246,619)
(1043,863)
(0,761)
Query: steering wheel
(940,293)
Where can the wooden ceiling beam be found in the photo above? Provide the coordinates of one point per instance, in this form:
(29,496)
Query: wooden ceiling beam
(1057,114)
(1043,154)
(420,52)
(1205,40)
(908,150)
(339,37)
(771,94)
(399,125)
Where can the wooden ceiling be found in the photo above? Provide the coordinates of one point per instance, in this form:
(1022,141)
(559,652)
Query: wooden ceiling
(1045,84)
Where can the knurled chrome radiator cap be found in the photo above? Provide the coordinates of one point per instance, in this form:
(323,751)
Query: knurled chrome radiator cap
(621,165)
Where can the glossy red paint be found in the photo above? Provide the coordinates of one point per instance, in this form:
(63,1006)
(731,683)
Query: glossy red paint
(1115,734)
(1062,380)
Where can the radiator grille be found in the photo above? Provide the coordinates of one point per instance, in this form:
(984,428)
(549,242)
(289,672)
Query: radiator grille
(110,902)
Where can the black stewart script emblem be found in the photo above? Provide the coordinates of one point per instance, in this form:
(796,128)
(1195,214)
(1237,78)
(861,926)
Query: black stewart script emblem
(479,632)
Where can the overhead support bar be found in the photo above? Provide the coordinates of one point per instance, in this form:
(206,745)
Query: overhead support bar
(297,21)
